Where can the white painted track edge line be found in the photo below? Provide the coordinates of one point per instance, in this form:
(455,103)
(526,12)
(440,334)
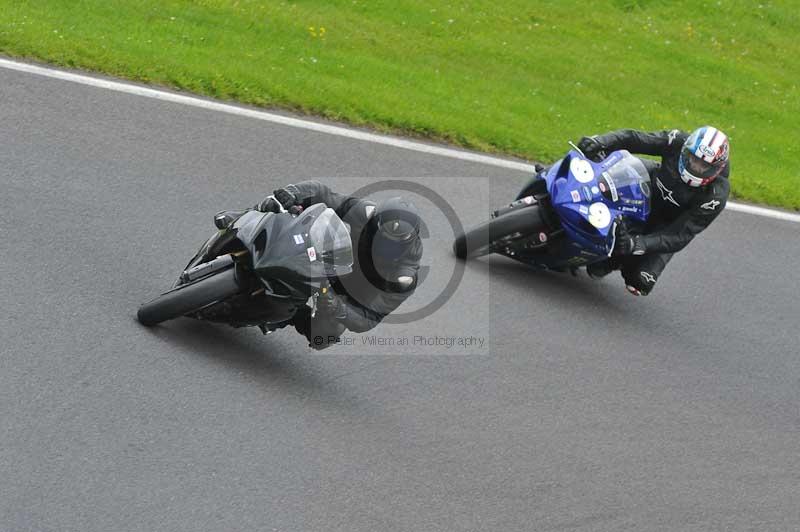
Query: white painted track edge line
(212,105)
(138,90)
(763,211)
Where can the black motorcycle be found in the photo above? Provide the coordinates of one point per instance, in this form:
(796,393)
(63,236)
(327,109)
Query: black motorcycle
(259,269)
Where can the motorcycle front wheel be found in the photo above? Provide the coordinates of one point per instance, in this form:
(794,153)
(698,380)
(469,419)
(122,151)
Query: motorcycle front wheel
(190,297)
(486,237)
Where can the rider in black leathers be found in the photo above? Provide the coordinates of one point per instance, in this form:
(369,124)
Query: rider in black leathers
(683,204)
(387,250)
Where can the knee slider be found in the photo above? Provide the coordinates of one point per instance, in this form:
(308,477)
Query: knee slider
(641,283)
(636,291)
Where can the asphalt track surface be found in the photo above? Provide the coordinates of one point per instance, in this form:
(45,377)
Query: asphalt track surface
(586,408)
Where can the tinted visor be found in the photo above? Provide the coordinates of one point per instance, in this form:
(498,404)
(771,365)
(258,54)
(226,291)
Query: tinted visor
(398,230)
(697,166)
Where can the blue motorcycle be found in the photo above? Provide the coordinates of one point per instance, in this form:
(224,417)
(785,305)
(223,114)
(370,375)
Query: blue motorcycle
(567,216)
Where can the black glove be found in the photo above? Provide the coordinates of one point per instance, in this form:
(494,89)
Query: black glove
(627,243)
(591,148)
(269,204)
(285,198)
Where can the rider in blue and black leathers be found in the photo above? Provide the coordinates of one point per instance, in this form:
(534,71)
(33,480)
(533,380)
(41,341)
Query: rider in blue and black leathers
(689,189)
(387,251)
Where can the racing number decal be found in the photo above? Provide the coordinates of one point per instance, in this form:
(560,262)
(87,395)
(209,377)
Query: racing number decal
(582,170)
(599,215)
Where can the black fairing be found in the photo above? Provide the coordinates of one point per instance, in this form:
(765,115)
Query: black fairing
(301,250)
(290,256)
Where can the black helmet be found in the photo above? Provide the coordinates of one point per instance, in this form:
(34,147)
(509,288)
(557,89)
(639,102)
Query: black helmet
(396,224)
(397,219)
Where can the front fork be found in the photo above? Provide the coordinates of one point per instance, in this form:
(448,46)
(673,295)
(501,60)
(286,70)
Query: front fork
(206,268)
(537,196)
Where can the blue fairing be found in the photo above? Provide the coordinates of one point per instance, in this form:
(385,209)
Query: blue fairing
(589,196)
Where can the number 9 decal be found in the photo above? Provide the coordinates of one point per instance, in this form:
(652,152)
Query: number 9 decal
(582,170)
(599,215)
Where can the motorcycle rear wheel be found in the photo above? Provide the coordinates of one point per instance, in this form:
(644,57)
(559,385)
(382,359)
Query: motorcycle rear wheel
(486,237)
(190,297)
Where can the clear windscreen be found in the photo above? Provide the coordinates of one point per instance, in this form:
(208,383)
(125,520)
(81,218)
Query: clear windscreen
(627,179)
(314,245)
(331,240)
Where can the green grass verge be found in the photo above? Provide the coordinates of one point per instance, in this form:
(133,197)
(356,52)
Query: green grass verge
(518,77)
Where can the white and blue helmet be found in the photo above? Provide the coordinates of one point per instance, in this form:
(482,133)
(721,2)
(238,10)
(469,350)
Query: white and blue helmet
(703,157)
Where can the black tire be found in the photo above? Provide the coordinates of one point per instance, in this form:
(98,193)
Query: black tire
(189,298)
(480,240)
